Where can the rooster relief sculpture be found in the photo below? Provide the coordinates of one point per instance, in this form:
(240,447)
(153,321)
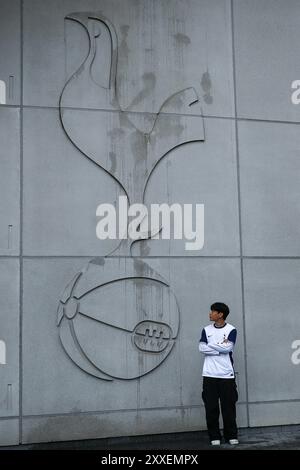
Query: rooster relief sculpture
(118,318)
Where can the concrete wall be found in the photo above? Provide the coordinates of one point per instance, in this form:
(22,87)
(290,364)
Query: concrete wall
(75,310)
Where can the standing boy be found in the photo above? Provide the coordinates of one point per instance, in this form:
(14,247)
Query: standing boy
(216,343)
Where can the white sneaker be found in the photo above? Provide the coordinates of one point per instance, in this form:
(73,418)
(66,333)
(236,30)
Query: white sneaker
(233,442)
(216,442)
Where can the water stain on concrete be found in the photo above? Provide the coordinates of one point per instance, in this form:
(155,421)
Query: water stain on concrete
(123,48)
(206,85)
(142,269)
(149,82)
(169,125)
(71,427)
(113,162)
(145,249)
(178,101)
(116,133)
(99,260)
(138,143)
(182,39)
(125,121)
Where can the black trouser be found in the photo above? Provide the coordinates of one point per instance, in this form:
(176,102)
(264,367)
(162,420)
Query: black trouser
(224,390)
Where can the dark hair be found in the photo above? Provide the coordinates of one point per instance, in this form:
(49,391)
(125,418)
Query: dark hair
(220,307)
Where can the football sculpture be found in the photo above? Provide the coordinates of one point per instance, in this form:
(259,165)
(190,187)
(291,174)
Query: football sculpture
(118,326)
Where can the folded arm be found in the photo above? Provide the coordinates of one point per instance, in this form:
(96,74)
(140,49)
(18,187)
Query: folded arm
(203,346)
(222,348)
(205,349)
(214,349)
(227,345)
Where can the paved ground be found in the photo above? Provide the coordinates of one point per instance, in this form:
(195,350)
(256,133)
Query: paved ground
(269,438)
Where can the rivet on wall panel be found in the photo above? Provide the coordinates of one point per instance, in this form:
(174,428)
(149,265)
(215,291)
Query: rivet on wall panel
(9,396)
(2,352)
(11,87)
(9,237)
(2,92)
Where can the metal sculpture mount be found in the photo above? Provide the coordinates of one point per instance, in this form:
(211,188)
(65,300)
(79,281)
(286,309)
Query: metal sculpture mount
(115,322)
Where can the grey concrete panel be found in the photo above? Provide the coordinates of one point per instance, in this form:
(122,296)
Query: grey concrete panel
(197,284)
(266,41)
(57,384)
(10,47)
(272,327)
(126,423)
(274,414)
(116,424)
(9,432)
(156,48)
(9,181)
(62,190)
(149,304)
(173,369)
(270,194)
(107,155)
(9,337)
(199,173)
(55,393)
(64,387)
(241,415)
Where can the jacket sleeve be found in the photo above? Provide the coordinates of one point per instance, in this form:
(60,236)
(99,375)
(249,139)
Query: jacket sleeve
(225,348)
(207,350)
(203,346)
